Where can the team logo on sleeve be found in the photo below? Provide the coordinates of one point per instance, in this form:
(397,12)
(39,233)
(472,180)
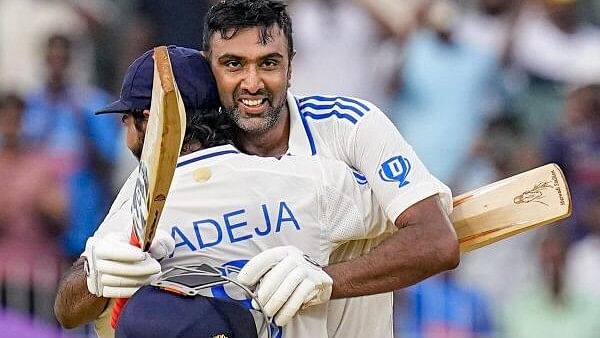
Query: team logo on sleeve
(395,169)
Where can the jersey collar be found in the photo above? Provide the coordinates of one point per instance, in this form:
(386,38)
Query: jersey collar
(208,155)
(300,140)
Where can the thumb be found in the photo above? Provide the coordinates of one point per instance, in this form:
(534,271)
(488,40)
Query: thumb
(162,245)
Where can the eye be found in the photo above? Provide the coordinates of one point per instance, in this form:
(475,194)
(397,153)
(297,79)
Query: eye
(124,118)
(270,63)
(233,64)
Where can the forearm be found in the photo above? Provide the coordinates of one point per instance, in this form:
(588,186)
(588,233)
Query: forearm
(422,246)
(74,304)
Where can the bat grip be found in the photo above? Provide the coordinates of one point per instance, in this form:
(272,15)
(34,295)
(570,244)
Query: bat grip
(120,302)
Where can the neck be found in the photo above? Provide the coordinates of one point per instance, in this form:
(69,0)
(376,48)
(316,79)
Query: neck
(271,143)
(189,148)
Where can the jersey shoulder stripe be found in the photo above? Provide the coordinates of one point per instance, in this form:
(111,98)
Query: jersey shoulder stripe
(206,156)
(360,178)
(324,107)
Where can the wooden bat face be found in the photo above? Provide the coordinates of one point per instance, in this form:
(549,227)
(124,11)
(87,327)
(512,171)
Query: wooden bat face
(511,206)
(162,145)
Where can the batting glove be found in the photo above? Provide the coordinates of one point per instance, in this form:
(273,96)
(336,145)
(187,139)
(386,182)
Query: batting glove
(117,269)
(289,281)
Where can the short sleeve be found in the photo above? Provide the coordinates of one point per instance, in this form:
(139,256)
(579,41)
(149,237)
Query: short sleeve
(394,171)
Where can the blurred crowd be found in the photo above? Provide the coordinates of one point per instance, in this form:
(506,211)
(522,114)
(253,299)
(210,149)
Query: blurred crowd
(482,89)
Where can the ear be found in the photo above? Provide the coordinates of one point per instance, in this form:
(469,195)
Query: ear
(289,73)
(146,113)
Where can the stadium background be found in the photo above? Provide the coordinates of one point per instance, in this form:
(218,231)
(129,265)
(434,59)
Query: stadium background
(482,89)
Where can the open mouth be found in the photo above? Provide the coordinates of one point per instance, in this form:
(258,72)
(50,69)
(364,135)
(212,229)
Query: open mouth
(254,106)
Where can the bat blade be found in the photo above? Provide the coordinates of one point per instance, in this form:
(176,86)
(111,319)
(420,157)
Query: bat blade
(511,206)
(162,144)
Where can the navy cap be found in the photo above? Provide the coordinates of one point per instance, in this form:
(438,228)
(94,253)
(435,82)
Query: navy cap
(192,73)
(155,313)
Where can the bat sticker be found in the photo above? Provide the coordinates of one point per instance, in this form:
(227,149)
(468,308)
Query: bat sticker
(533,195)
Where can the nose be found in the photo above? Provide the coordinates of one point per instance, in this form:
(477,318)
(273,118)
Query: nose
(252,81)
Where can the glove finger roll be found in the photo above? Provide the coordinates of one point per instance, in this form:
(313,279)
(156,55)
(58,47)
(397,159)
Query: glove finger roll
(285,290)
(274,279)
(260,264)
(146,267)
(294,302)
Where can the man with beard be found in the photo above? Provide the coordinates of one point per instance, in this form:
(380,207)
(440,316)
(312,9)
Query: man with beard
(250,47)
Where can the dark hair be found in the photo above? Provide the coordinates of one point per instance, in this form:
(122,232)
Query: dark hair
(227,17)
(210,127)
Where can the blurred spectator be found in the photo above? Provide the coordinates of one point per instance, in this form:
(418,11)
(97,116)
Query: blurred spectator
(575,145)
(32,214)
(552,42)
(500,151)
(487,26)
(548,310)
(584,258)
(554,48)
(60,117)
(25,26)
(339,50)
(440,307)
(446,89)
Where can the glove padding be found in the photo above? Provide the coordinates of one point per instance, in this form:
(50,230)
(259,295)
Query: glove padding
(290,281)
(117,269)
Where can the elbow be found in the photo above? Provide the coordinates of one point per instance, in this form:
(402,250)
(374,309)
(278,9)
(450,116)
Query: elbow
(65,318)
(449,253)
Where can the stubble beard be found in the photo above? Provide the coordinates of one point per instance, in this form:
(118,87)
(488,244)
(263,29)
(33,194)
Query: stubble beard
(139,146)
(258,125)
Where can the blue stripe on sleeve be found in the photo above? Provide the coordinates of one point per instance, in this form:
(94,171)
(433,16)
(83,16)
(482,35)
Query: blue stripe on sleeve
(318,116)
(358,111)
(333,99)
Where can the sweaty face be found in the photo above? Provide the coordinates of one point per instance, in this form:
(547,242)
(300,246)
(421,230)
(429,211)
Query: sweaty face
(252,77)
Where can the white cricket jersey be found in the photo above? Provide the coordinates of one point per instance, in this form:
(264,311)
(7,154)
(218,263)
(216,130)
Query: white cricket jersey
(358,133)
(225,207)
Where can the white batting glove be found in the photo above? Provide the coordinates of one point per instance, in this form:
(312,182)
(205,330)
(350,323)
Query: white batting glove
(117,269)
(289,281)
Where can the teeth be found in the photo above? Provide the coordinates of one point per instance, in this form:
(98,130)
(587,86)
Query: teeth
(251,103)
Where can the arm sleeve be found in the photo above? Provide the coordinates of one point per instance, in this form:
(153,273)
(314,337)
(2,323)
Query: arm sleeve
(395,173)
(350,209)
(119,216)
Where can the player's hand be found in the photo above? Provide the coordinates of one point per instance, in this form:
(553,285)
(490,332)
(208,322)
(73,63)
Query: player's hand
(118,269)
(289,281)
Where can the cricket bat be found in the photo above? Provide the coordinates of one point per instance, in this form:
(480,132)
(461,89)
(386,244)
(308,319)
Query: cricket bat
(162,144)
(511,206)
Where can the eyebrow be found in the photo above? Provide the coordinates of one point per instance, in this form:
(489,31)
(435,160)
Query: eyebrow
(226,57)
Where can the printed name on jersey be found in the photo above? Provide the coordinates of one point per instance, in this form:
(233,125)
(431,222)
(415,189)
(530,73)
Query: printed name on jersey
(324,107)
(396,169)
(232,227)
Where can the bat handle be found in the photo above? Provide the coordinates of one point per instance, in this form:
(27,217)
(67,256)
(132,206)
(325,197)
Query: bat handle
(120,302)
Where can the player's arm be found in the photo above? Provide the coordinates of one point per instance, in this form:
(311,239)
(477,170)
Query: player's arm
(425,244)
(417,203)
(74,304)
